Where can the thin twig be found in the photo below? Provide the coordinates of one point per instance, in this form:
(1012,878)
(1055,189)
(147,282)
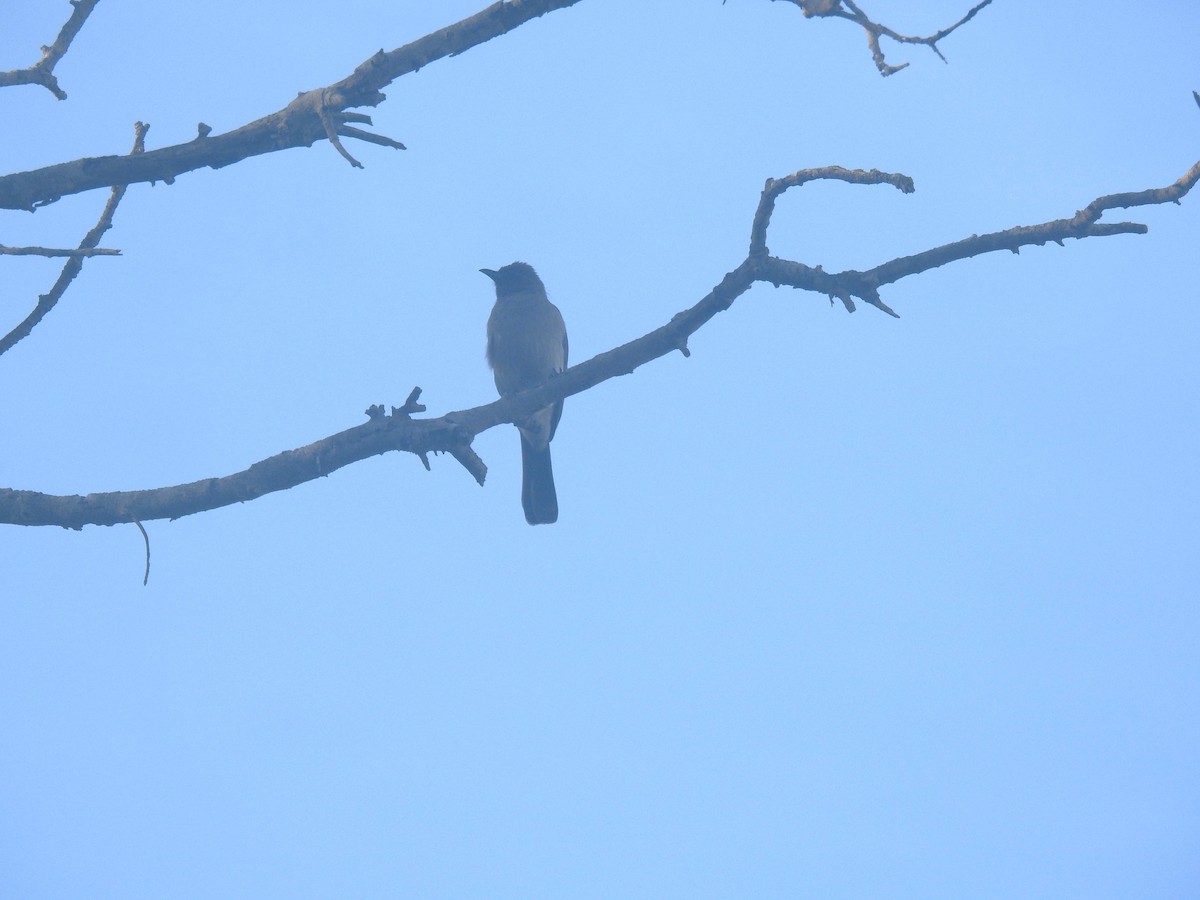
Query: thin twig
(146,538)
(56,252)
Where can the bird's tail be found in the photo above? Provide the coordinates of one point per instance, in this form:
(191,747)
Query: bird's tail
(537,485)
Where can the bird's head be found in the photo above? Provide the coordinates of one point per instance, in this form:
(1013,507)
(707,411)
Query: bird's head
(514,278)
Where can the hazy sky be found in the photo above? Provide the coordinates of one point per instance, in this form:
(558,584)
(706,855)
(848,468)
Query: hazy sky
(842,606)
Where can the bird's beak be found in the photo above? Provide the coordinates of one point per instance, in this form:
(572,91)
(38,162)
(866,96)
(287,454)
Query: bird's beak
(490,273)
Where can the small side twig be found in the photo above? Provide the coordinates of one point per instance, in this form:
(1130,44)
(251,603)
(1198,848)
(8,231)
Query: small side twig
(470,461)
(330,109)
(776,186)
(370,137)
(331,130)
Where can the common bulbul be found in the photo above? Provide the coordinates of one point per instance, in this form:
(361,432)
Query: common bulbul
(526,345)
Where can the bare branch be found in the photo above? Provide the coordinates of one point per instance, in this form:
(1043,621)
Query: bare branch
(47,302)
(42,72)
(280,472)
(454,432)
(1083,224)
(314,115)
(875,30)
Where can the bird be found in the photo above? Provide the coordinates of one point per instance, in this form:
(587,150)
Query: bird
(527,345)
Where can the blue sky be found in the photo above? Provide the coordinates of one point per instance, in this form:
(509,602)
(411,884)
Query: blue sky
(840,606)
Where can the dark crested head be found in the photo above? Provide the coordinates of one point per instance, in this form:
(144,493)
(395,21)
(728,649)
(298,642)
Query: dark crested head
(514,277)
